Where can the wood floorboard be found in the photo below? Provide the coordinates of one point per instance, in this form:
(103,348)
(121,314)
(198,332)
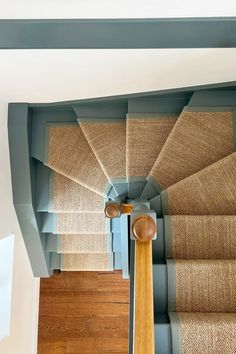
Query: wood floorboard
(86,296)
(84,313)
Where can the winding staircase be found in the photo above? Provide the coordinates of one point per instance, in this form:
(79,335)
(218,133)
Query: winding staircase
(166,181)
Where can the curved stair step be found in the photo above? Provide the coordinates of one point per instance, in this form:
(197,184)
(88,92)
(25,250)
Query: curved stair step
(198,333)
(68,153)
(67,196)
(73,223)
(212,191)
(200,137)
(107,138)
(145,137)
(201,285)
(87,262)
(200,236)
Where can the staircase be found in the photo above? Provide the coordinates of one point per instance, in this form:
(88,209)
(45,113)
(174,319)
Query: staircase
(182,164)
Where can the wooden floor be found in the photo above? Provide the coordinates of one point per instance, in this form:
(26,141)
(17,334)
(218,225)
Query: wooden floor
(84,313)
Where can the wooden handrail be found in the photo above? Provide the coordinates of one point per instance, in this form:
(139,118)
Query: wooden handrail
(143,299)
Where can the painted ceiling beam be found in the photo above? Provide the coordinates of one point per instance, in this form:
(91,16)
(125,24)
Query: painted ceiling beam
(118,33)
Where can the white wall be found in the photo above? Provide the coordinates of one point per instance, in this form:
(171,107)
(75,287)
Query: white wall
(115,9)
(44,76)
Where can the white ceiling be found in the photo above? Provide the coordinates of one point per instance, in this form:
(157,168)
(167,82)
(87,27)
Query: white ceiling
(115,9)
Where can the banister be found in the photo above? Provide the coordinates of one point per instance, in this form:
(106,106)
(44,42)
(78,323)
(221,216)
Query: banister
(143,299)
(144,230)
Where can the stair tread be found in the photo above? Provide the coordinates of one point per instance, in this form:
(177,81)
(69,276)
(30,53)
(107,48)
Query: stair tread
(200,236)
(87,262)
(211,191)
(69,196)
(146,135)
(201,285)
(66,149)
(107,139)
(212,333)
(198,139)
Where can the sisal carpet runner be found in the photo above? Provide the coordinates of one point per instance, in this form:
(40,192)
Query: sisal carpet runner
(84,243)
(146,135)
(211,191)
(65,153)
(107,139)
(82,223)
(200,236)
(87,262)
(203,333)
(68,196)
(198,139)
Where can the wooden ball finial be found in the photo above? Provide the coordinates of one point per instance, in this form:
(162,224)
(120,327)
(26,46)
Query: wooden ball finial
(144,228)
(112,210)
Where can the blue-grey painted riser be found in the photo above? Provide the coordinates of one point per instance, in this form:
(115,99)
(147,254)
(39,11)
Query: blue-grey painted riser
(149,192)
(160,288)
(168,104)
(42,190)
(213,99)
(23,173)
(52,243)
(40,119)
(156,205)
(112,194)
(115,225)
(163,344)
(124,246)
(119,33)
(121,188)
(116,242)
(109,109)
(158,245)
(135,189)
(117,261)
(56,261)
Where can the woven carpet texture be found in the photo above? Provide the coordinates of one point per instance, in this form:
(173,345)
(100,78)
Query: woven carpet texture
(69,153)
(108,142)
(87,261)
(208,333)
(197,140)
(205,285)
(211,191)
(201,236)
(145,139)
(70,197)
(82,223)
(93,243)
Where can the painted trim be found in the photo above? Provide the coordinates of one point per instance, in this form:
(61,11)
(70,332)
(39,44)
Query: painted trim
(23,173)
(168,237)
(154,183)
(234,128)
(175,333)
(155,203)
(171,281)
(154,116)
(213,32)
(208,109)
(124,235)
(210,98)
(164,202)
